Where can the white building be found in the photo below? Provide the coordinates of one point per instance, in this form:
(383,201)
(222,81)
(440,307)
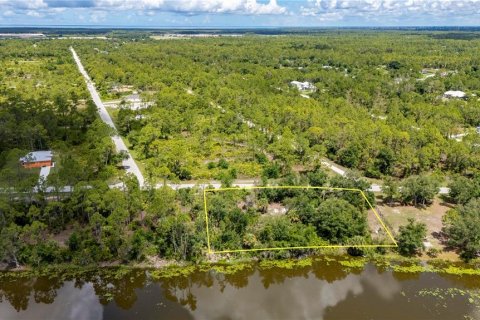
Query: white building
(303,86)
(135,102)
(452,94)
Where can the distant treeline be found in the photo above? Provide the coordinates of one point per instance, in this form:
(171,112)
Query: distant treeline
(455,32)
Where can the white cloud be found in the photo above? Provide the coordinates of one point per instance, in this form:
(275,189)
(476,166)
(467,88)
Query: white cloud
(29,8)
(197,6)
(33,13)
(249,7)
(8,13)
(98,16)
(280,12)
(393,8)
(23,4)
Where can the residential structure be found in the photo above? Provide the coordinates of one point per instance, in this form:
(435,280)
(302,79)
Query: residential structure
(135,102)
(122,88)
(37,159)
(303,86)
(453,94)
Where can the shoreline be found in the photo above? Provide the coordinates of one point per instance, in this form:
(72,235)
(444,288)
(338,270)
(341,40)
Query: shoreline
(168,269)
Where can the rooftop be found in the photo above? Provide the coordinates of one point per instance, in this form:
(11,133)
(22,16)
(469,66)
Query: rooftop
(133,97)
(37,156)
(455,94)
(302,86)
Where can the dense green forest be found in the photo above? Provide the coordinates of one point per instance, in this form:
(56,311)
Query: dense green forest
(288,217)
(224,109)
(44,105)
(373,110)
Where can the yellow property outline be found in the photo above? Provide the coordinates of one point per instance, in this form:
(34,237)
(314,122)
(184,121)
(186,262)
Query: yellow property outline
(394,245)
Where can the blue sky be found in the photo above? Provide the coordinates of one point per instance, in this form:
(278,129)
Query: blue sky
(240,13)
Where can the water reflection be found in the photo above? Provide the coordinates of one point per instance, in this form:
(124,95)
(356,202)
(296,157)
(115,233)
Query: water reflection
(271,296)
(67,302)
(322,291)
(383,283)
(119,288)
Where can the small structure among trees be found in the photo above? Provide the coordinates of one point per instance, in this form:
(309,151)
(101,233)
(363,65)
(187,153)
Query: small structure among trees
(37,159)
(135,102)
(455,94)
(303,86)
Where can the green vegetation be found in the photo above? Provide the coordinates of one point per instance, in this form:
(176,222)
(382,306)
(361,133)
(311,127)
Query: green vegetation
(462,225)
(463,189)
(419,190)
(231,98)
(172,271)
(281,218)
(43,105)
(410,238)
(224,109)
(415,190)
(445,295)
(99,224)
(286,264)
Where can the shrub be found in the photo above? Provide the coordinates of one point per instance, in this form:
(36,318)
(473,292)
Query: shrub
(410,240)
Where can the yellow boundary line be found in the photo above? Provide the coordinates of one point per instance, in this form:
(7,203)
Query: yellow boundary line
(394,245)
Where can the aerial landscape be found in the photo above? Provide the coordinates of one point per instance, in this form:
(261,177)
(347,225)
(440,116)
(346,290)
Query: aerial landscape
(240,159)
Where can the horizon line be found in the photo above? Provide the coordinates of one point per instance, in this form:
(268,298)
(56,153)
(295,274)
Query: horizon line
(228,27)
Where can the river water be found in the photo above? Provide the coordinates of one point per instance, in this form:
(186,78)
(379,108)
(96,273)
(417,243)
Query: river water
(324,290)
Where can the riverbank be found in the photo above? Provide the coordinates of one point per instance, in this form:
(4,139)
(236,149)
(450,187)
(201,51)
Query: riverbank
(391,263)
(170,268)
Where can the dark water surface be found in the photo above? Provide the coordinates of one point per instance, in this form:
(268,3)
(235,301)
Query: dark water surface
(325,290)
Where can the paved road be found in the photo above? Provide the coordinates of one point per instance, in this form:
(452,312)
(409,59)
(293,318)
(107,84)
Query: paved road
(334,168)
(242,183)
(374,187)
(458,137)
(129,164)
(44,172)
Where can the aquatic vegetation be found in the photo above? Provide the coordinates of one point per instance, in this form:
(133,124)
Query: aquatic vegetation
(328,258)
(226,268)
(121,272)
(353,263)
(460,271)
(414,268)
(472,296)
(108,296)
(15,275)
(286,264)
(172,271)
(381,262)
